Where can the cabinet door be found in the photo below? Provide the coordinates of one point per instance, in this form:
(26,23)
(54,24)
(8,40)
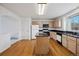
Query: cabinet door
(78,47)
(53,35)
(57,23)
(42,46)
(50,24)
(72,44)
(64,41)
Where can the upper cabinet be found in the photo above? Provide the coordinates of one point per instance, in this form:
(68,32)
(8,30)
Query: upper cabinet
(41,22)
(50,24)
(35,23)
(57,23)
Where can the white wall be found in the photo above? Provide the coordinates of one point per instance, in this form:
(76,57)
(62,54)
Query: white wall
(11,23)
(26,28)
(4,42)
(9,26)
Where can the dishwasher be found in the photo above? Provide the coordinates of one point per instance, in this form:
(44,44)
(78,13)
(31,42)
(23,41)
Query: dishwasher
(59,38)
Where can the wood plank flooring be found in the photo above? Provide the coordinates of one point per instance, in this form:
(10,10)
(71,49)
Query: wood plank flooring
(20,48)
(58,50)
(26,48)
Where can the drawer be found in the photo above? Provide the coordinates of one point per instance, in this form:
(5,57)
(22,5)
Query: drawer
(72,38)
(71,41)
(64,35)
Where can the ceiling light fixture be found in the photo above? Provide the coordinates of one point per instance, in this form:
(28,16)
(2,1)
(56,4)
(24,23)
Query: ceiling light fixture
(41,8)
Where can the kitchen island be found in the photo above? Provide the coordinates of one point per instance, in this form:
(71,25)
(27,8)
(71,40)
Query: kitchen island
(42,44)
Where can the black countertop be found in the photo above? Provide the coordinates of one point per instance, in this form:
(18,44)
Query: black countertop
(69,33)
(41,35)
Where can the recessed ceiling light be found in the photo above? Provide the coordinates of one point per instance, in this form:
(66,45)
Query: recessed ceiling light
(41,8)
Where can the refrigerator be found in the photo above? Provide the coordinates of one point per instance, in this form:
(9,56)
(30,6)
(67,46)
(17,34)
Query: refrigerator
(35,30)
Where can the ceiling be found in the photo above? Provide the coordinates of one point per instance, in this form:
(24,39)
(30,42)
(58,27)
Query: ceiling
(29,9)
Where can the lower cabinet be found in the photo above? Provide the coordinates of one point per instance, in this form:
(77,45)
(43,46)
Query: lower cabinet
(69,42)
(64,41)
(78,47)
(72,44)
(53,35)
(42,46)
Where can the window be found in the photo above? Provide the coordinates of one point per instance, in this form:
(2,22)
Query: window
(74,22)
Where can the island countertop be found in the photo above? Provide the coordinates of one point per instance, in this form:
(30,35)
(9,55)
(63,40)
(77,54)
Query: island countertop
(41,35)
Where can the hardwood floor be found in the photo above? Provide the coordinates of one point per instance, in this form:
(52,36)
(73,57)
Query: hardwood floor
(20,48)
(58,50)
(26,48)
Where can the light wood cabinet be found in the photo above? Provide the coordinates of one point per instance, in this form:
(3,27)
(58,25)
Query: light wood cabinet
(42,45)
(53,35)
(50,24)
(64,41)
(69,42)
(78,47)
(40,23)
(57,23)
(72,44)
(35,23)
